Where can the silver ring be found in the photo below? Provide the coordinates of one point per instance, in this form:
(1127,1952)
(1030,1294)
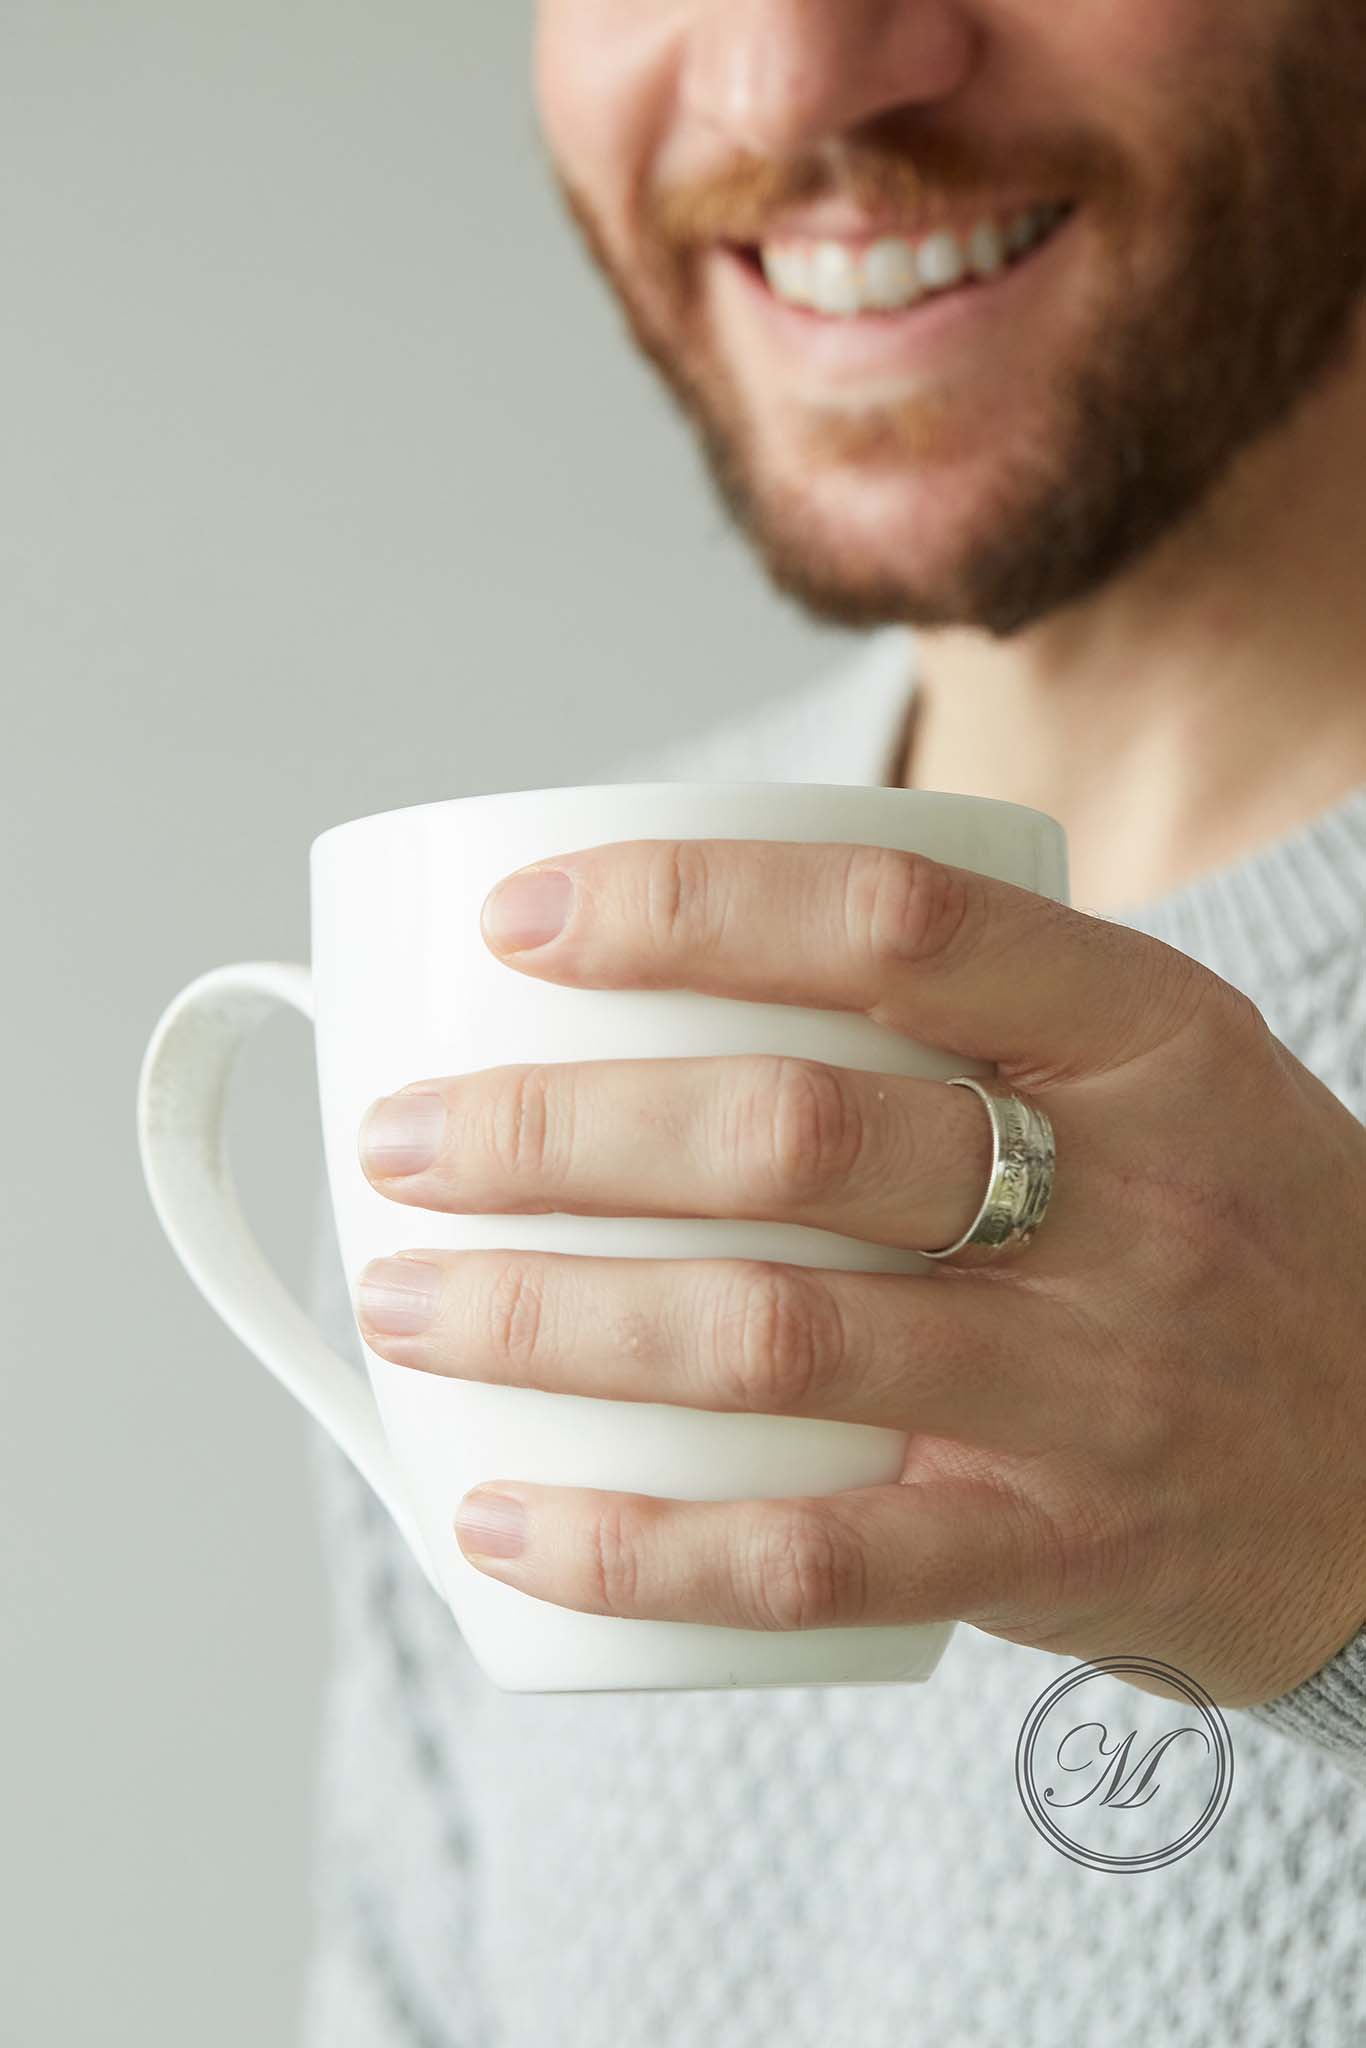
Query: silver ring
(1021,1180)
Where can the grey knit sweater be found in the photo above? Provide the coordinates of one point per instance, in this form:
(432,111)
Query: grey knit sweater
(842,1866)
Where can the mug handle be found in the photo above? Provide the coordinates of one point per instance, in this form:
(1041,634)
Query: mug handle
(182,1096)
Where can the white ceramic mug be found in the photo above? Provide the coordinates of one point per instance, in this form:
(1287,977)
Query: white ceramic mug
(404,988)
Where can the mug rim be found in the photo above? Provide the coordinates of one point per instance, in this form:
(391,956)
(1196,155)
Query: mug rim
(932,796)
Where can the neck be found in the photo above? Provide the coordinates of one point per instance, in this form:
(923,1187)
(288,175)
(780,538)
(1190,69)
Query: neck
(1209,700)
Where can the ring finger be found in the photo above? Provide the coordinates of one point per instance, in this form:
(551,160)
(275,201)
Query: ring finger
(937,1357)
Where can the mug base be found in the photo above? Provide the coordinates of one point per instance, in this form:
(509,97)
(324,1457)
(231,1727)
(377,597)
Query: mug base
(601,1653)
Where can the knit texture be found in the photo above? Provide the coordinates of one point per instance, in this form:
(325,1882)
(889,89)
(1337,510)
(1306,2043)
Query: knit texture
(839,1866)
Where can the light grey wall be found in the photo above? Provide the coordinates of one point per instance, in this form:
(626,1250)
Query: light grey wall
(328,483)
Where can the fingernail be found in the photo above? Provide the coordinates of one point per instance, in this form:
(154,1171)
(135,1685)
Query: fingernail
(398,1297)
(491,1524)
(528,909)
(402,1133)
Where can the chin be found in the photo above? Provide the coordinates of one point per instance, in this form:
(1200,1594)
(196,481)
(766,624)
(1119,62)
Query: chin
(920,532)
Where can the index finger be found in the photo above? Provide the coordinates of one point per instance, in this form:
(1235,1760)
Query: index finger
(939,953)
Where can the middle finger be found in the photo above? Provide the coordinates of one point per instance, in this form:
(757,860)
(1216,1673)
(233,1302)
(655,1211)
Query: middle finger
(882,1157)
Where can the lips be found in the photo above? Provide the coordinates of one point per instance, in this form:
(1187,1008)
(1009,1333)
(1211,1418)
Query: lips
(894,271)
(883,352)
(841,278)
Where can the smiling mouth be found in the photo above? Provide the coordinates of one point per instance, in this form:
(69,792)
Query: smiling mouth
(888,274)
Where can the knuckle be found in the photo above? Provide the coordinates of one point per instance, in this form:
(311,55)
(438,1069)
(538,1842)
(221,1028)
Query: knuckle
(903,906)
(1107,1545)
(803,1570)
(1162,998)
(614,1557)
(801,1134)
(1088,1541)
(519,1133)
(1219,1015)
(771,1351)
(516,1316)
(676,895)
(1145,1432)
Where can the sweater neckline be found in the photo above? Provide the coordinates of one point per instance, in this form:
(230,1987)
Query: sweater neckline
(1286,903)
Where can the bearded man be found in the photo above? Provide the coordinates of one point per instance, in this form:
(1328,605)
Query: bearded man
(1031,340)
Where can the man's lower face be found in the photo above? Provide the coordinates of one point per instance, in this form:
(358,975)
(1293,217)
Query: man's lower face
(1004,447)
(863,443)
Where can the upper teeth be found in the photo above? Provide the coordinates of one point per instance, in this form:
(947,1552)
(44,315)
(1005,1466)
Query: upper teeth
(833,278)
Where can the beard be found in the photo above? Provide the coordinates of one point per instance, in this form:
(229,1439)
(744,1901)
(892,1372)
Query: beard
(1259,212)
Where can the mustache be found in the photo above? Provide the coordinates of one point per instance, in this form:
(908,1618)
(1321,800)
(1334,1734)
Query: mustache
(738,205)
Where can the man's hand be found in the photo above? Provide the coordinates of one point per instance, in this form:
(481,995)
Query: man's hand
(1143,1433)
